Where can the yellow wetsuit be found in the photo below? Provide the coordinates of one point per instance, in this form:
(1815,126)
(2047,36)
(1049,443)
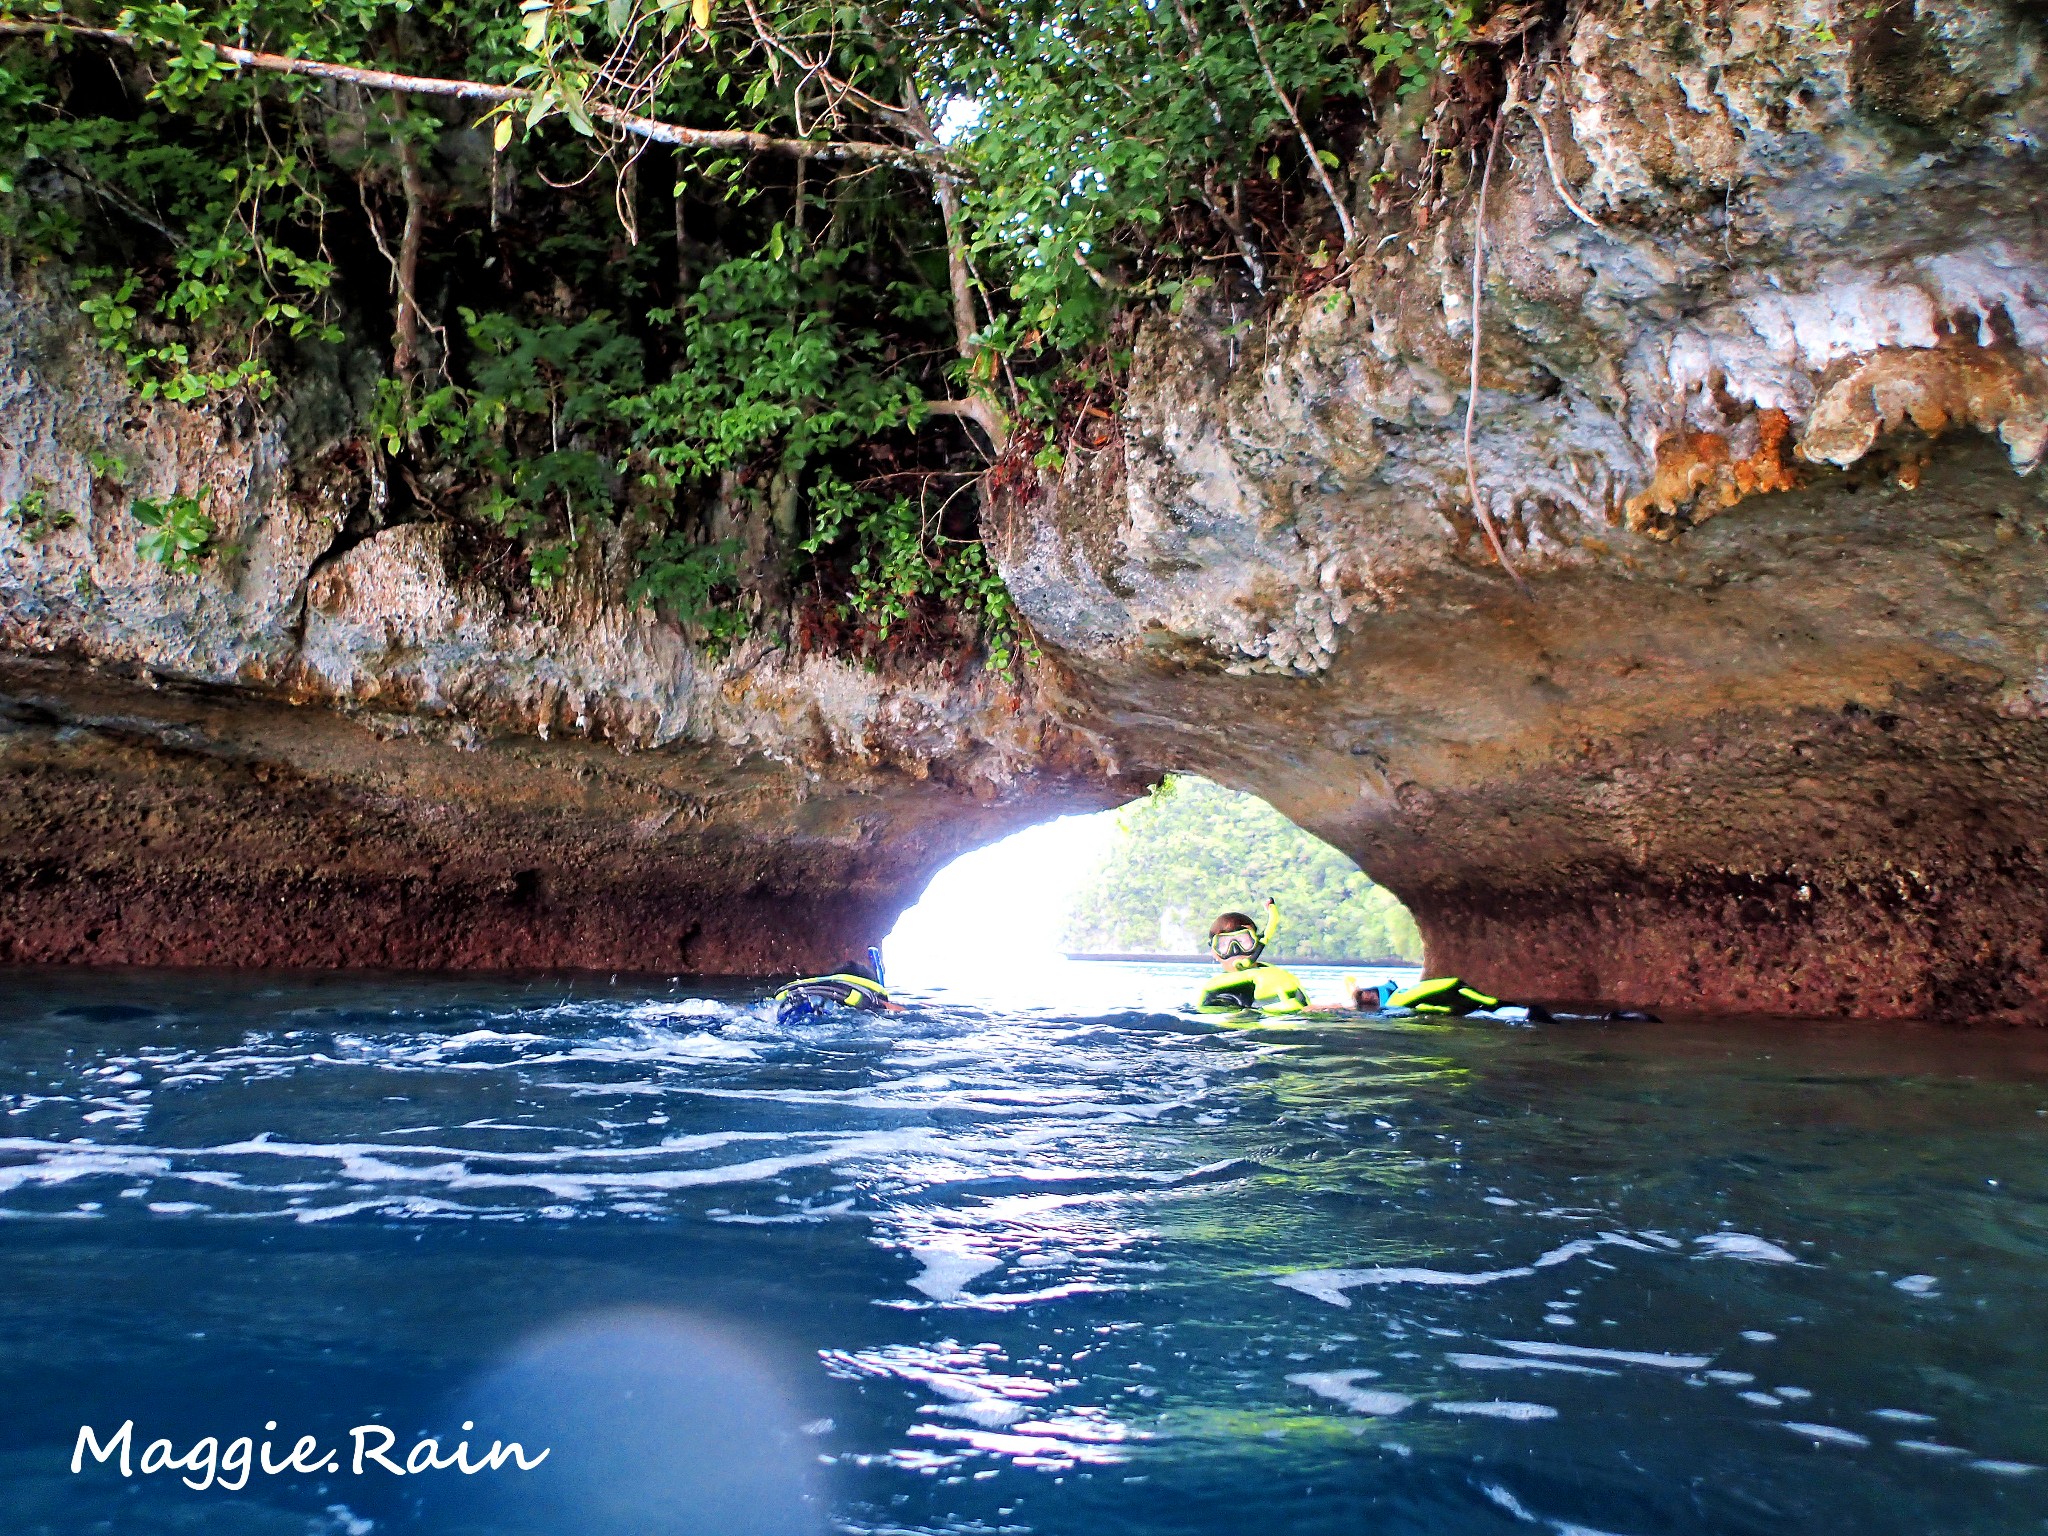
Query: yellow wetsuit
(1268,988)
(842,989)
(1441,994)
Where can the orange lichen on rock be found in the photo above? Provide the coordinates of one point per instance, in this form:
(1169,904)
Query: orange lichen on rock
(1700,473)
(1993,389)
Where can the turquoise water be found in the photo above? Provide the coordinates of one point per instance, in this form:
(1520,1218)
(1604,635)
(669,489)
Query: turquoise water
(973,1269)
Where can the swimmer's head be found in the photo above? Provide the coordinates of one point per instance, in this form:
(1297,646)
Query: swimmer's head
(1234,939)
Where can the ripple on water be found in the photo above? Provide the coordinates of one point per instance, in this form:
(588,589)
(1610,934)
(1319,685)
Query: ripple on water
(1114,1274)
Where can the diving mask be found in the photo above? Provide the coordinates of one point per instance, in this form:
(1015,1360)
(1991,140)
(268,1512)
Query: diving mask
(1234,942)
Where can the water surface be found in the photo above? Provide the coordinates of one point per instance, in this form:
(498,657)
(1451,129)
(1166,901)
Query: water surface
(981,1268)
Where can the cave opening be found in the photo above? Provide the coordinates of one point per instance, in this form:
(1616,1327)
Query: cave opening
(1116,905)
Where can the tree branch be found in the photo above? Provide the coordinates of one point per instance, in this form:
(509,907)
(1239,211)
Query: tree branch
(652,129)
(966,316)
(406,351)
(1315,159)
(1247,247)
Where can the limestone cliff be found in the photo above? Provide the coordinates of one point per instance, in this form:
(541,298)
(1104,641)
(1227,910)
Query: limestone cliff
(1760,421)
(333,746)
(1764,390)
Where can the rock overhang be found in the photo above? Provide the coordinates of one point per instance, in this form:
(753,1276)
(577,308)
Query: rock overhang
(1761,430)
(1760,421)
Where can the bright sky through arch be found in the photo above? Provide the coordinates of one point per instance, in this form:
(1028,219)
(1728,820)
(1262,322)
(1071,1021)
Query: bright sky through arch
(999,910)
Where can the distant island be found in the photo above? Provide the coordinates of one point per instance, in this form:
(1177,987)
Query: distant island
(1193,849)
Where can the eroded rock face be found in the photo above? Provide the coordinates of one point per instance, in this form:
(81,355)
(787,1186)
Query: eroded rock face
(326,749)
(1764,399)
(1766,732)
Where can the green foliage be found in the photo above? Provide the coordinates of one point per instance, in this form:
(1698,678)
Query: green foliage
(687,580)
(671,346)
(1098,123)
(770,371)
(178,532)
(232,211)
(904,560)
(1192,850)
(33,514)
(533,429)
(107,466)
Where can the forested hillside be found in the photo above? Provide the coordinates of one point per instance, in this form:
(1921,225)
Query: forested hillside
(1193,849)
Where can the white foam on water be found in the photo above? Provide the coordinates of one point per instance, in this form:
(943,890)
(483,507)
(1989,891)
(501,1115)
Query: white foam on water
(1827,1432)
(1341,1387)
(1741,1245)
(1797,1394)
(1758,1336)
(947,1271)
(315,1214)
(1930,1448)
(1731,1378)
(1009,1301)
(1916,1285)
(986,1412)
(1331,1284)
(1053,1446)
(61,1162)
(1511,1363)
(1762,1399)
(1514,1506)
(1497,1409)
(1507,1501)
(1502,1201)
(1902,1416)
(960,1375)
(344,1522)
(495,1037)
(2005,1468)
(1545,1350)
(682,1008)
(564,1174)
(1579,1247)
(811,1213)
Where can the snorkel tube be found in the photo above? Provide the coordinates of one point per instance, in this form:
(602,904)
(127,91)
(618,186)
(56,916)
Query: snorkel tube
(875,965)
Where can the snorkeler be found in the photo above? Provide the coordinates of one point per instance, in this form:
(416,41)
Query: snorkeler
(857,985)
(1448,996)
(1237,942)
(1433,994)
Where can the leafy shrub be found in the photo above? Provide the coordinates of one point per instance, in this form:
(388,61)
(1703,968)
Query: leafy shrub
(178,534)
(694,339)
(689,581)
(34,515)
